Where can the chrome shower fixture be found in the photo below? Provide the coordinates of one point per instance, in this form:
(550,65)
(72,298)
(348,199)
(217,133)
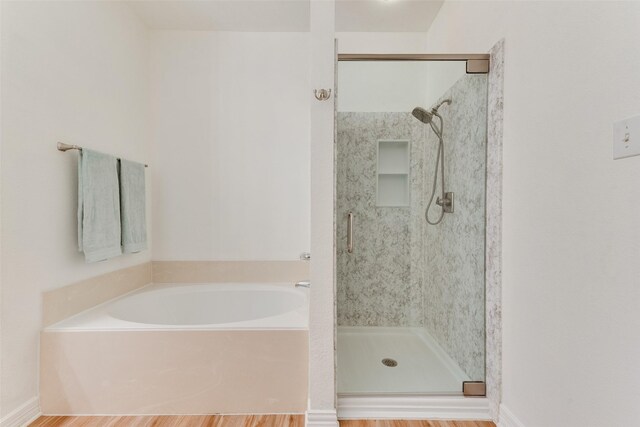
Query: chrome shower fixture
(427,116)
(445,200)
(444,101)
(423,115)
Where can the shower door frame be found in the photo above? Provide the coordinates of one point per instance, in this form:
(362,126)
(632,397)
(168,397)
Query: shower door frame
(388,406)
(477,63)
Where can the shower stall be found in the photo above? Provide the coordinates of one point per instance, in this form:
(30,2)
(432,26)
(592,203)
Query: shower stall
(410,225)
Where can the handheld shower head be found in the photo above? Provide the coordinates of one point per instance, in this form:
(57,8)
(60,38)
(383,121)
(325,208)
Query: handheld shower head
(427,116)
(446,201)
(423,115)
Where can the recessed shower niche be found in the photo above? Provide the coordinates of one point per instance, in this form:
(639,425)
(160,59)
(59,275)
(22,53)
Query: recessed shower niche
(393,173)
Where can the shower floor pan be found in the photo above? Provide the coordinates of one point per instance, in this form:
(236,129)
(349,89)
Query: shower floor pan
(400,373)
(421,365)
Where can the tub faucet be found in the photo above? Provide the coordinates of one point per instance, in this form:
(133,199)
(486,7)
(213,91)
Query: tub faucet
(303,284)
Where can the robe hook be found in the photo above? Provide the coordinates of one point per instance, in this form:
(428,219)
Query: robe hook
(322,94)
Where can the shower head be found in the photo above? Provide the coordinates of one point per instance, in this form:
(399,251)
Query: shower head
(423,115)
(426,116)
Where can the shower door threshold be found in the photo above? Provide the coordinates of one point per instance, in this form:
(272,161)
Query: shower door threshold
(411,406)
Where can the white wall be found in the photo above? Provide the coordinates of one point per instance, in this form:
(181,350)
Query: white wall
(394,86)
(231,121)
(382,42)
(571,214)
(1,144)
(381,86)
(73,72)
(441,76)
(391,86)
(322,310)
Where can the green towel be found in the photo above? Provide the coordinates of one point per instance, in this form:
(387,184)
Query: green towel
(132,207)
(98,206)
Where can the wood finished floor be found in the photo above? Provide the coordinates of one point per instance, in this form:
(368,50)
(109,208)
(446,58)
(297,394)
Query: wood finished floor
(175,421)
(234,421)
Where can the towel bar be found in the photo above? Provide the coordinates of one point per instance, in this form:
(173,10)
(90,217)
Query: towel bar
(66,147)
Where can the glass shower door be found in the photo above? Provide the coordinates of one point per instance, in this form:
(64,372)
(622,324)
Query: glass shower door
(410,294)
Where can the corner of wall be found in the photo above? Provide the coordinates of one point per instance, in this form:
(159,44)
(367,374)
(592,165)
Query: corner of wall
(23,415)
(508,419)
(322,393)
(1,140)
(493,271)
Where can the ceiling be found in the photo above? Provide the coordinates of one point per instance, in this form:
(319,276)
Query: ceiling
(386,15)
(285,15)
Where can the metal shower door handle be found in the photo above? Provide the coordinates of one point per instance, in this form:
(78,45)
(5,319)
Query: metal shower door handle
(350,232)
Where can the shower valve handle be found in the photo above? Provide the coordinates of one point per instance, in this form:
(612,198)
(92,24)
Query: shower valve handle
(443,202)
(446,203)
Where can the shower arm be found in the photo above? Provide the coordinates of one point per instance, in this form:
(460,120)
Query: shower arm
(434,110)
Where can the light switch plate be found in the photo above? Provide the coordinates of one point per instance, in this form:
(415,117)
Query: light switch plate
(626,138)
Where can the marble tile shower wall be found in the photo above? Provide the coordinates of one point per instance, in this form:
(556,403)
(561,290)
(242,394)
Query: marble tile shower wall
(376,286)
(454,291)
(402,271)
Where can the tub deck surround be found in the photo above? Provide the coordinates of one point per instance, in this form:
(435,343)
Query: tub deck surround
(124,357)
(61,303)
(229,271)
(69,300)
(204,306)
(173,372)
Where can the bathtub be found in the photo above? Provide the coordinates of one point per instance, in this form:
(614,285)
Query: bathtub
(181,349)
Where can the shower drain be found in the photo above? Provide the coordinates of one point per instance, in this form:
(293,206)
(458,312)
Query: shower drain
(389,362)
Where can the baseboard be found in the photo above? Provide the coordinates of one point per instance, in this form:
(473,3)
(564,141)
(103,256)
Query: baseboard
(352,407)
(507,419)
(321,418)
(23,415)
